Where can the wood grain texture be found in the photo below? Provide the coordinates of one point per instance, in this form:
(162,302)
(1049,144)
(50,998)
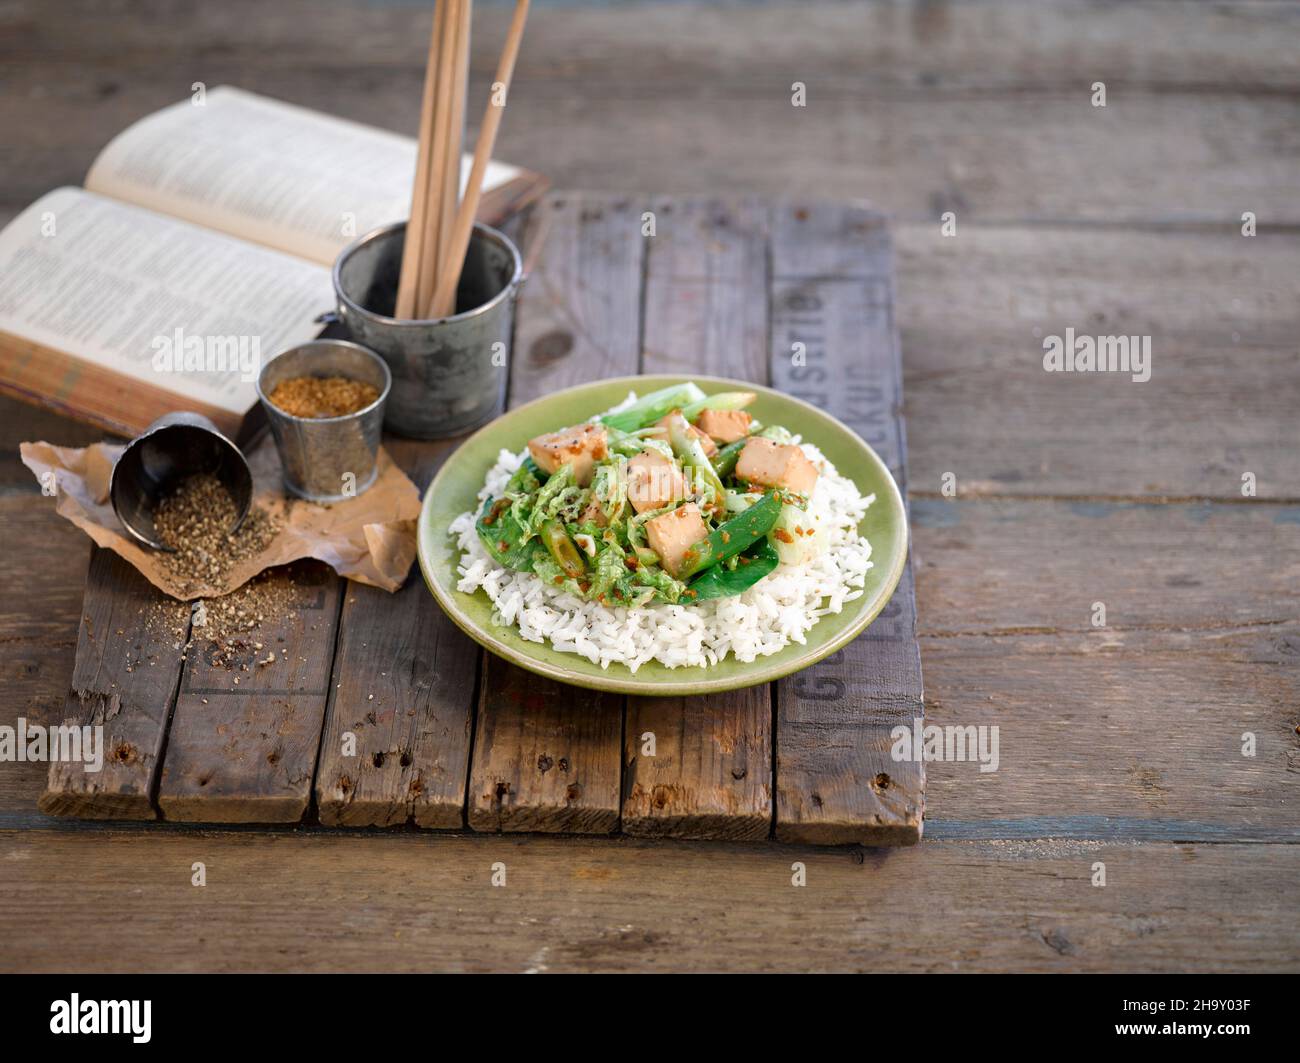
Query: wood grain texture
(705,313)
(547,756)
(834,344)
(579,315)
(403,689)
(1042,566)
(710,775)
(1221,313)
(1148,728)
(44,561)
(130,647)
(706,289)
(961,106)
(308,901)
(244,737)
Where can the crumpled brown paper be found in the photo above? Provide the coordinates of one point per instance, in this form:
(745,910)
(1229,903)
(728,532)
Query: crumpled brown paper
(370,538)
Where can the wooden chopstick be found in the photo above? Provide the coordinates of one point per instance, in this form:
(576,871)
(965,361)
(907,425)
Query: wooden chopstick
(411,252)
(455,136)
(436,213)
(451,264)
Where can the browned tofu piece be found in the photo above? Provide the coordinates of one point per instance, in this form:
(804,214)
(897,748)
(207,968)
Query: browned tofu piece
(724,426)
(653,481)
(710,447)
(580,446)
(673,534)
(772,464)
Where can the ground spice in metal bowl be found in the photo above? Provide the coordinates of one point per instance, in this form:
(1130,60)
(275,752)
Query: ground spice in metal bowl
(322,396)
(195,521)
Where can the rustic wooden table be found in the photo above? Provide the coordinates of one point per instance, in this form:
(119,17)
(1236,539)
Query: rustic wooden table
(1120,745)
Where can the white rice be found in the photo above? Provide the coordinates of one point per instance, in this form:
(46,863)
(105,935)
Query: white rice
(778,610)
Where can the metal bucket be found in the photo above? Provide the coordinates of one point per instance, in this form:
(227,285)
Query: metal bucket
(449,374)
(173,448)
(326,459)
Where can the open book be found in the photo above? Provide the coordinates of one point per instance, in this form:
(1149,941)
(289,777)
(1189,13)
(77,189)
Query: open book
(200,247)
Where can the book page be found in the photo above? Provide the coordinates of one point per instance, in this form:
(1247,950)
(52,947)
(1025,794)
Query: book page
(282,176)
(154,298)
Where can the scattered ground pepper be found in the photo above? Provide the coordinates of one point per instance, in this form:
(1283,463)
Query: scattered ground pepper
(195,521)
(232,626)
(322,396)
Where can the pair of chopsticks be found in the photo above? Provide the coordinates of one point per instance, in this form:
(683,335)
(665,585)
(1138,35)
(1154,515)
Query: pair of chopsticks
(438,233)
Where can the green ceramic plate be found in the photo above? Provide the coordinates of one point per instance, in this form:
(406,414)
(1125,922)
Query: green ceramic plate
(456,487)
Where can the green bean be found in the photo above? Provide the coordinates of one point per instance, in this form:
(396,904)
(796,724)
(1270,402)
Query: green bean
(562,548)
(736,535)
(724,461)
(723,582)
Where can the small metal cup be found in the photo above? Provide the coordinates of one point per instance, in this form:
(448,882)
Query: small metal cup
(318,453)
(173,448)
(446,378)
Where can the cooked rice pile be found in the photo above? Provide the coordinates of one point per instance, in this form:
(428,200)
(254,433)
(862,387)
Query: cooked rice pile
(776,611)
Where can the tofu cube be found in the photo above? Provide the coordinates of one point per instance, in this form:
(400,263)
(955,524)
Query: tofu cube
(724,426)
(772,464)
(580,446)
(673,534)
(653,481)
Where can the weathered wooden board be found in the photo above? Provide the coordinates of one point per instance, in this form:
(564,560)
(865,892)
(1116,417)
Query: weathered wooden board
(925,107)
(242,744)
(834,344)
(311,901)
(1045,566)
(1119,731)
(546,756)
(130,647)
(710,772)
(1220,312)
(395,747)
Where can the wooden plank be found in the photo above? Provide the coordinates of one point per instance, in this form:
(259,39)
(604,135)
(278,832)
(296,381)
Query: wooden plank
(1220,311)
(403,691)
(997,46)
(972,107)
(1042,566)
(546,755)
(1148,728)
(832,295)
(706,289)
(243,743)
(710,775)
(311,901)
(578,319)
(130,646)
(706,313)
